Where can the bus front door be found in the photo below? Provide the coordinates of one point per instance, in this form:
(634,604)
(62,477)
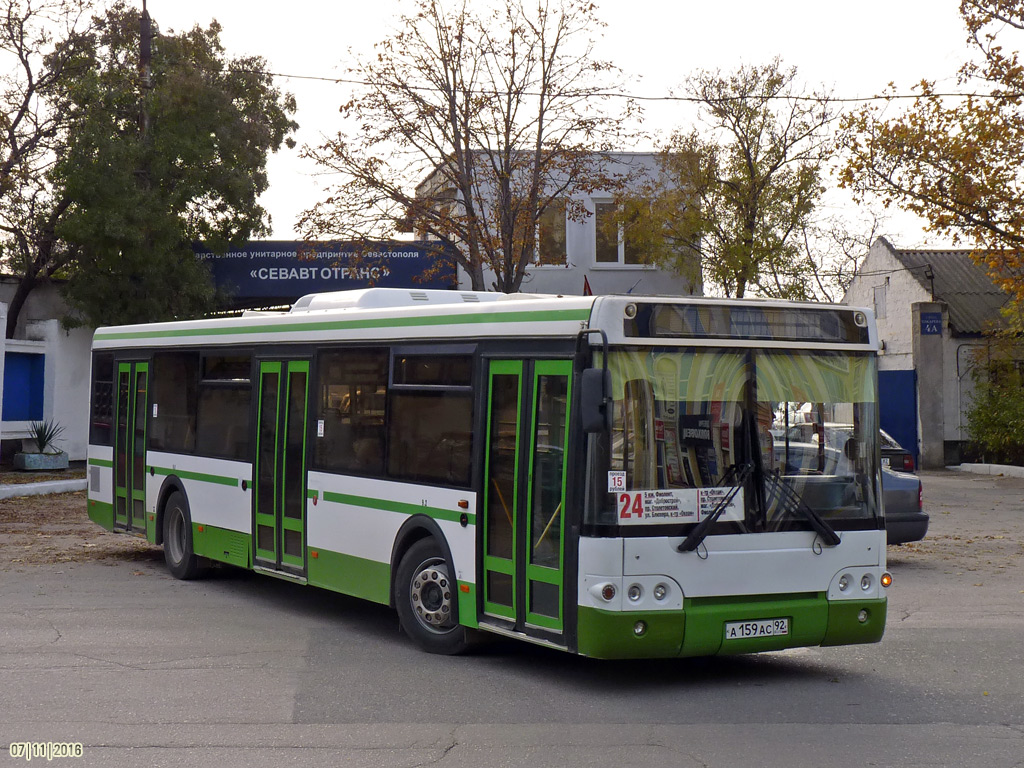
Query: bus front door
(130,447)
(279,501)
(524,497)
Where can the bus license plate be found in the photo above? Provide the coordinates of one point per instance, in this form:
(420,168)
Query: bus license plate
(742,630)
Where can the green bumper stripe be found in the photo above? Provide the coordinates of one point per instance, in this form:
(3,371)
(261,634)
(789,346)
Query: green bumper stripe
(100,463)
(699,629)
(467,605)
(845,626)
(349,574)
(554,315)
(201,477)
(227,546)
(611,635)
(102,514)
(706,619)
(394,506)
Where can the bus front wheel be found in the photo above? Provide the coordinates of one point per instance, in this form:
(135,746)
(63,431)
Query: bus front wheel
(181,559)
(426,597)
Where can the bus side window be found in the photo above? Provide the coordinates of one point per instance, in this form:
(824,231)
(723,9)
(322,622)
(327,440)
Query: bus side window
(351,389)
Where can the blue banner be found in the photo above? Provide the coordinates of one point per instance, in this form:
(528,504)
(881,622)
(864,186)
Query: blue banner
(287,269)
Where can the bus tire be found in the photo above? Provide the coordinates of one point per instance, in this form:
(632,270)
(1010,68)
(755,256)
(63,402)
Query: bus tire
(426,598)
(181,559)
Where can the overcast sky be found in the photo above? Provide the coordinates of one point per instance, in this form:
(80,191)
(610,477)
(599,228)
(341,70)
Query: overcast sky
(855,49)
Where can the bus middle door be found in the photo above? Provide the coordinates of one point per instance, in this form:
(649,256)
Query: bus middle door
(279,501)
(524,494)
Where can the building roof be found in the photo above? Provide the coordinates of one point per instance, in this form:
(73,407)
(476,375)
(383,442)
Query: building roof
(952,277)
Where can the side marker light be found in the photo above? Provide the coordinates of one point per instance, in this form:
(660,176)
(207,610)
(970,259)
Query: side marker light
(886,579)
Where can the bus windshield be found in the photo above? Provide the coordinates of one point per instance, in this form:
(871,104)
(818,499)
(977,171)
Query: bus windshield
(787,429)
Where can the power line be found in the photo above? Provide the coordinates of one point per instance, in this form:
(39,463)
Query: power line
(1007,96)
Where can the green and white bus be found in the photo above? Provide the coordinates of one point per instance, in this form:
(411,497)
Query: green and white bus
(609,475)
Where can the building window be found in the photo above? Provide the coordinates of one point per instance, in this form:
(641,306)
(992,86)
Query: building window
(551,235)
(618,242)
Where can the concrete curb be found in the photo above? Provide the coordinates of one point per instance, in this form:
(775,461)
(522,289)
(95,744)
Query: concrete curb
(39,489)
(1006,470)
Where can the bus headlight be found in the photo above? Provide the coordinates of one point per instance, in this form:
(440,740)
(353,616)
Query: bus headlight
(640,628)
(660,591)
(634,592)
(865,582)
(844,582)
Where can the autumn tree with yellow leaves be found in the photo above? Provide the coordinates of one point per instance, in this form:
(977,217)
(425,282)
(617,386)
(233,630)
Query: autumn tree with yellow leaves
(956,161)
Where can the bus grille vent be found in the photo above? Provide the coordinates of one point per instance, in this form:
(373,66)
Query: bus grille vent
(418,296)
(470,298)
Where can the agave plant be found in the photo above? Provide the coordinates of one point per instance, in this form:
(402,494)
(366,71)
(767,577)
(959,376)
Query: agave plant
(46,434)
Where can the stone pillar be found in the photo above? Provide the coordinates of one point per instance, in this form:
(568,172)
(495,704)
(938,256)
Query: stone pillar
(931,320)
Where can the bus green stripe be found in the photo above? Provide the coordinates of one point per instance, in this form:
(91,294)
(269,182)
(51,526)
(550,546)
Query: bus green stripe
(554,315)
(201,477)
(395,506)
(101,463)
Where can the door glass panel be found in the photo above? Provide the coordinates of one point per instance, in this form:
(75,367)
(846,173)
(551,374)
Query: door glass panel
(548,463)
(501,496)
(267,453)
(139,441)
(123,401)
(544,599)
(293,543)
(499,588)
(294,458)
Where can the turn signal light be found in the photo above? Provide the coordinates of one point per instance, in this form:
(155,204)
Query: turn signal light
(886,579)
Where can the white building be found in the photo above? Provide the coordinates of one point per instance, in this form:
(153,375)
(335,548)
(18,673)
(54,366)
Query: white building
(575,252)
(932,308)
(45,371)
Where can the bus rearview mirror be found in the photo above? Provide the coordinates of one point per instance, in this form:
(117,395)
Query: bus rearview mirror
(595,400)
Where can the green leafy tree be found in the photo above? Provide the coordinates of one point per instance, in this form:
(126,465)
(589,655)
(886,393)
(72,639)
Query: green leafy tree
(956,162)
(995,417)
(146,166)
(745,188)
(474,121)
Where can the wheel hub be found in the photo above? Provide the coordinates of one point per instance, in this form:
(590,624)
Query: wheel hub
(431,595)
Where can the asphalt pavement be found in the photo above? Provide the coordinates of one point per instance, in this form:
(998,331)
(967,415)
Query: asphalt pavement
(242,670)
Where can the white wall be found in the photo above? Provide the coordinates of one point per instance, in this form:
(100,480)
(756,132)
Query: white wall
(881,269)
(66,373)
(581,248)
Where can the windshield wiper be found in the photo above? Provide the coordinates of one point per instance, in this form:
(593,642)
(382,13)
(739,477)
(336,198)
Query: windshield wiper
(792,503)
(736,476)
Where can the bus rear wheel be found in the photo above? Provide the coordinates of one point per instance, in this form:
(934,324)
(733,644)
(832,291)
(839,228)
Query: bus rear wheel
(426,597)
(181,559)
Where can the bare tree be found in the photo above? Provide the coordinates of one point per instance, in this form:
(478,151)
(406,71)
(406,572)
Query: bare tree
(41,47)
(471,123)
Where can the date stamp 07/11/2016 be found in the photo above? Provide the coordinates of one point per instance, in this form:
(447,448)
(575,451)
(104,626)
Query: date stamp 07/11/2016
(45,750)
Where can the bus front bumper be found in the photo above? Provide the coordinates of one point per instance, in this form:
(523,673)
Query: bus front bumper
(700,628)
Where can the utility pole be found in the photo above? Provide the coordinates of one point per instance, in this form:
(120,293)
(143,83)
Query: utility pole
(145,59)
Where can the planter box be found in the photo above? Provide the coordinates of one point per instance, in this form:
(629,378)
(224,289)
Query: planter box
(40,461)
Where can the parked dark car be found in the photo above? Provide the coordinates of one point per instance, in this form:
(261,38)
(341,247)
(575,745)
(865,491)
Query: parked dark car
(894,455)
(902,499)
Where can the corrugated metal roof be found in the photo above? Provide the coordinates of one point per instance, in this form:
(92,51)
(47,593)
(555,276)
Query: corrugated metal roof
(973,299)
